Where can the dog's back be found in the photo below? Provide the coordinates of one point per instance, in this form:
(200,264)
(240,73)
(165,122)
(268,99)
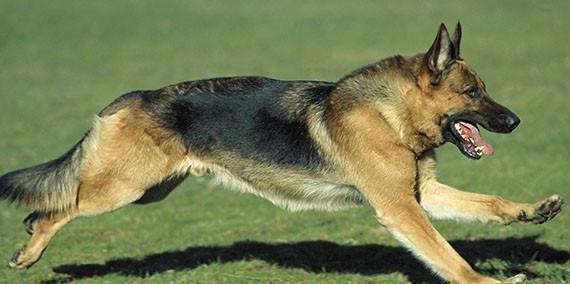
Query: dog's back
(256,134)
(258,119)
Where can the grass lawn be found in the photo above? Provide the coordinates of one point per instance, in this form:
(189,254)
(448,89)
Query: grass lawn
(62,61)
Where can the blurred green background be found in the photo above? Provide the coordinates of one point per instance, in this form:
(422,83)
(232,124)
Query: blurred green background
(62,61)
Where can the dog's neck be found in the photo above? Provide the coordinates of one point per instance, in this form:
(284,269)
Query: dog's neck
(394,91)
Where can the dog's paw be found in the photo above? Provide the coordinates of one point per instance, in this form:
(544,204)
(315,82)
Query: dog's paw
(544,210)
(21,259)
(517,279)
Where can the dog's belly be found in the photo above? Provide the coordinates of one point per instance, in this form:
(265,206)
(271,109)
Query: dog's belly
(298,196)
(287,189)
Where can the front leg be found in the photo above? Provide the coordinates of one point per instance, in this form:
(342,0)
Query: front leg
(409,225)
(393,198)
(444,202)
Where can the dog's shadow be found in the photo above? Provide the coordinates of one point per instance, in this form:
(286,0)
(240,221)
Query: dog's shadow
(324,257)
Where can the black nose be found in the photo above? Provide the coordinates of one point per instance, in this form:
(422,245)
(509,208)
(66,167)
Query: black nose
(512,121)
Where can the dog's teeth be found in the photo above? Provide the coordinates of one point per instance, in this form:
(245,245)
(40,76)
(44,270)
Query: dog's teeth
(479,150)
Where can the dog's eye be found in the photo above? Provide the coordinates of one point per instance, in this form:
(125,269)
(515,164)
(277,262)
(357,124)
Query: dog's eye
(473,92)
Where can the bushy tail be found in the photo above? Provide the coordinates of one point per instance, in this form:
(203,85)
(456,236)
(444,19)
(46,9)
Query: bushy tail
(47,187)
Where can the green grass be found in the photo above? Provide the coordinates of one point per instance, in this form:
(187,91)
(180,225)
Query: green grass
(62,61)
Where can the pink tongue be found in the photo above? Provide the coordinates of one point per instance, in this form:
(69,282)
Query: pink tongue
(473,132)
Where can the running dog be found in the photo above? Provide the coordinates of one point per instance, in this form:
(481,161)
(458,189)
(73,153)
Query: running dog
(367,138)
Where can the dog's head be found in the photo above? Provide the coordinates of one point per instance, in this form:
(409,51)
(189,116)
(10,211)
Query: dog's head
(461,97)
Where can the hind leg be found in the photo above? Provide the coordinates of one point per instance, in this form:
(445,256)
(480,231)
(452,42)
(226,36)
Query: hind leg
(125,154)
(92,201)
(46,227)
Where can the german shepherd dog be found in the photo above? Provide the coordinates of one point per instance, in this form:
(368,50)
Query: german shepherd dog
(367,138)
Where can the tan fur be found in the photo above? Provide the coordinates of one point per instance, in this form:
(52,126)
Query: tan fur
(117,171)
(385,172)
(444,202)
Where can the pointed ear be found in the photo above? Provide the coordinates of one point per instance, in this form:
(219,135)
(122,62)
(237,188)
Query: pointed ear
(456,39)
(441,52)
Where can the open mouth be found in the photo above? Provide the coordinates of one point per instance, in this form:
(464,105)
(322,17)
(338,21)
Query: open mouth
(469,140)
